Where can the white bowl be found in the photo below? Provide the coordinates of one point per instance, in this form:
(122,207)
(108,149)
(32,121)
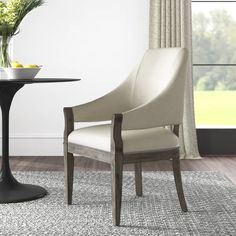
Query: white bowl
(21,73)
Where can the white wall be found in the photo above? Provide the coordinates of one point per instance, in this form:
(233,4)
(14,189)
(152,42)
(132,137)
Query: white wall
(97,41)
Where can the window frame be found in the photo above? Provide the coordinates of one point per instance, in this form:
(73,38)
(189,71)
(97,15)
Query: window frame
(216,141)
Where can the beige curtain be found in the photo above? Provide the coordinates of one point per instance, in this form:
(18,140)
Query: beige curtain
(170,26)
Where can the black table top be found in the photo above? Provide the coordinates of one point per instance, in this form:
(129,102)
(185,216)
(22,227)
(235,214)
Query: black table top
(36,80)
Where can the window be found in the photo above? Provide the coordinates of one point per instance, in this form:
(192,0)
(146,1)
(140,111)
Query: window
(214,63)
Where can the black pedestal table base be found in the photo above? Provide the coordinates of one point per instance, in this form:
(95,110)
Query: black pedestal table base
(20,192)
(10,189)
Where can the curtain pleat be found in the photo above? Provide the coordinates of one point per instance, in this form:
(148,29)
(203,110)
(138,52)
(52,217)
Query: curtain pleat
(173,23)
(170,26)
(163,23)
(178,23)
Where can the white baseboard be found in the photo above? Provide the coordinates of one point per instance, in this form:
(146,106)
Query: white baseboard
(35,145)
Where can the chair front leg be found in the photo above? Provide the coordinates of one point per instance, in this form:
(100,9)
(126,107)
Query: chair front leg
(117,175)
(116,167)
(138,179)
(178,182)
(68,157)
(69,176)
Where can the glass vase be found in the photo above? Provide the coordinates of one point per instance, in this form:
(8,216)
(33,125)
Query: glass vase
(5,51)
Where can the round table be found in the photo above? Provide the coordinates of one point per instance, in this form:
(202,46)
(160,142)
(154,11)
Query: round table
(10,189)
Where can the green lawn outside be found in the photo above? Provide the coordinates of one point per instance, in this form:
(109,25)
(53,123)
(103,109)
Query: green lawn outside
(215,108)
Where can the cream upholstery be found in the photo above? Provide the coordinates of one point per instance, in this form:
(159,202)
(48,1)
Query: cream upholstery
(159,90)
(99,137)
(151,96)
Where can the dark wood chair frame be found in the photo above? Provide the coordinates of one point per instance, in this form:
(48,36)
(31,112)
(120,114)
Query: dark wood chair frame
(116,158)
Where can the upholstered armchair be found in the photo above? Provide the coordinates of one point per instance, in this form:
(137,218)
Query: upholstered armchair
(141,110)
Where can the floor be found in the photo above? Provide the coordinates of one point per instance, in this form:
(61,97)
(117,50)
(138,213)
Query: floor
(226,165)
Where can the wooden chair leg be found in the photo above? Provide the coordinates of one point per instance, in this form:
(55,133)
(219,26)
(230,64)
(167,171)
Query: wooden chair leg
(69,175)
(117,175)
(178,183)
(138,179)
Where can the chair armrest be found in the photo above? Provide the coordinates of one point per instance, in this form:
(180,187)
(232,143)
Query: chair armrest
(102,109)
(69,122)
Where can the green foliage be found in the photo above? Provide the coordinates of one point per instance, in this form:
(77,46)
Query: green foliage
(203,83)
(12,13)
(214,37)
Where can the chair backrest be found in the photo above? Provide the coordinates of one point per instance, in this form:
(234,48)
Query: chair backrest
(156,87)
(157,71)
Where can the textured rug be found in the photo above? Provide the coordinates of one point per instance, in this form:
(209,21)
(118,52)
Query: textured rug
(211,199)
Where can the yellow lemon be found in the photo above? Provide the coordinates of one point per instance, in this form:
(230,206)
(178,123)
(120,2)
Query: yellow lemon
(31,66)
(16,64)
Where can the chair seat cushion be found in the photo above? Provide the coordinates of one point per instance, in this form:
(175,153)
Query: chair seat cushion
(98,137)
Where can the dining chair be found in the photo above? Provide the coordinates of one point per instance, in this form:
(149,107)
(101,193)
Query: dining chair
(145,111)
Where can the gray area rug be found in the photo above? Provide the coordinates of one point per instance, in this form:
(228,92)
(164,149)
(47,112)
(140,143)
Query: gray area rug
(211,199)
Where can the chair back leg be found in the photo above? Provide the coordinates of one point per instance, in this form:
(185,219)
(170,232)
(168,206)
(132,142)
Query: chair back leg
(138,179)
(69,175)
(117,175)
(178,182)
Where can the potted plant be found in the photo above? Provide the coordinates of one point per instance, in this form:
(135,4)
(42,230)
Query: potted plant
(12,12)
